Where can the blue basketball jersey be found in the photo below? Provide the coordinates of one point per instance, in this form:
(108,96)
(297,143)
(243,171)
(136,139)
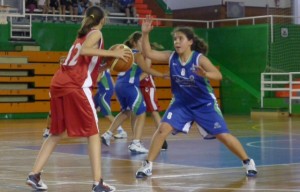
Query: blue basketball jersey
(188,87)
(193,100)
(131,76)
(127,90)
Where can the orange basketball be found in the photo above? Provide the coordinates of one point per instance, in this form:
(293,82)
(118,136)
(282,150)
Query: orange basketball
(119,65)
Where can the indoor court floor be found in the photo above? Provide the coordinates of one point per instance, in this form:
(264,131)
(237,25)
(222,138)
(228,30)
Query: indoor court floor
(191,164)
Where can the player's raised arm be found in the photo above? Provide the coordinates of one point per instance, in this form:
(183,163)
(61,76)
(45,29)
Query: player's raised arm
(162,56)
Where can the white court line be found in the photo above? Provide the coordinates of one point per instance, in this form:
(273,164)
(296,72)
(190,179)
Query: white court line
(253,144)
(190,175)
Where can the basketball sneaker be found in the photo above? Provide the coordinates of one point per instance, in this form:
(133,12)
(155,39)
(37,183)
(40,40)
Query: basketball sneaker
(103,187)
(46,133)
(106,137)
(137,147)
(164,146)
(121,134)
(36,182)
(145,170)
(249,165)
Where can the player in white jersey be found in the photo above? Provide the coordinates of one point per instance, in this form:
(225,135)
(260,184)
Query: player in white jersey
(193,98)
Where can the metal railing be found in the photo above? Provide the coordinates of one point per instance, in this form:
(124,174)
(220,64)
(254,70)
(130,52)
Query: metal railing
(286,82)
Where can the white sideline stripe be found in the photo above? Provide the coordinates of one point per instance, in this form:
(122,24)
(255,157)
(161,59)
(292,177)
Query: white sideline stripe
(190,175)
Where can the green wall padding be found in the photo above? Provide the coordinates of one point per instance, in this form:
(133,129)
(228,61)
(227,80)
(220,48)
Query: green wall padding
(242,51)
(284,51)
(54,36)
(4,37)
(59,37)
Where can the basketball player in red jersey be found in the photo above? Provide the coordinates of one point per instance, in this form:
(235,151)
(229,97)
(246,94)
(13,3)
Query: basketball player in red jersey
(72,107)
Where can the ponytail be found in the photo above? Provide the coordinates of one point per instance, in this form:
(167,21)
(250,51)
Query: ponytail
(199,45)
(93,16)
(133,38)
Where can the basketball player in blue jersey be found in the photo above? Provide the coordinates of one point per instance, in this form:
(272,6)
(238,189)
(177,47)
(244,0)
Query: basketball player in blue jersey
(193,98)
(102,100)
(130,97)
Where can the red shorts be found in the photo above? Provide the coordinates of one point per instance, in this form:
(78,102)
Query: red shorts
(150,99)
(74,112)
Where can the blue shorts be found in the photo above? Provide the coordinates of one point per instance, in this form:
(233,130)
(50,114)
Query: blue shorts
(102,100)
(130,98)
(181,118)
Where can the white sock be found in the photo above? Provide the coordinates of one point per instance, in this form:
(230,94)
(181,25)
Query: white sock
(136,141)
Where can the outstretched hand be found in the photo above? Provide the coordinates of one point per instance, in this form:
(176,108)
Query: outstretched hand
(147,24)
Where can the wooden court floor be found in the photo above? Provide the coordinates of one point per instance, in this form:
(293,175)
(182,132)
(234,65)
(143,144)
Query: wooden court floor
(190,164)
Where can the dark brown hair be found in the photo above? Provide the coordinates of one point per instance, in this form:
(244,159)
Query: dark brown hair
(133,38)
(93,16)
(198,43)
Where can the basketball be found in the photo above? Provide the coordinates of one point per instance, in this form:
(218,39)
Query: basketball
(117,64)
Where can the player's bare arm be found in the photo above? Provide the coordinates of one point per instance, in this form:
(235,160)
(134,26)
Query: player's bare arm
(207,69)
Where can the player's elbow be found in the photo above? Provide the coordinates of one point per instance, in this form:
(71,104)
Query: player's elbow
(150,55)
(220,77)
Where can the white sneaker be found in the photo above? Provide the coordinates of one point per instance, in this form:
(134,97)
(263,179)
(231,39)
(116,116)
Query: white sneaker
(121,134)
(46,133)
(105,138)
(137,147)
(36,182)
(145,170)
(250,168)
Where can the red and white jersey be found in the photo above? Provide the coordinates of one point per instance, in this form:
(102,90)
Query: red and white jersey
(147,82)
(78,71)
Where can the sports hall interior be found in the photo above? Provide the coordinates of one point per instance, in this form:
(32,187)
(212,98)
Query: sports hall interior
(255,45)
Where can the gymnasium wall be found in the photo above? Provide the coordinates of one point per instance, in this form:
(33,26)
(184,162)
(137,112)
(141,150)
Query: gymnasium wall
(284,53)
(241,53)
(4,36)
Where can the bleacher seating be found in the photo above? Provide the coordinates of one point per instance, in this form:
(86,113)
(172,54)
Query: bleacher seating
(143,10)
(286,94)
(141,7)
